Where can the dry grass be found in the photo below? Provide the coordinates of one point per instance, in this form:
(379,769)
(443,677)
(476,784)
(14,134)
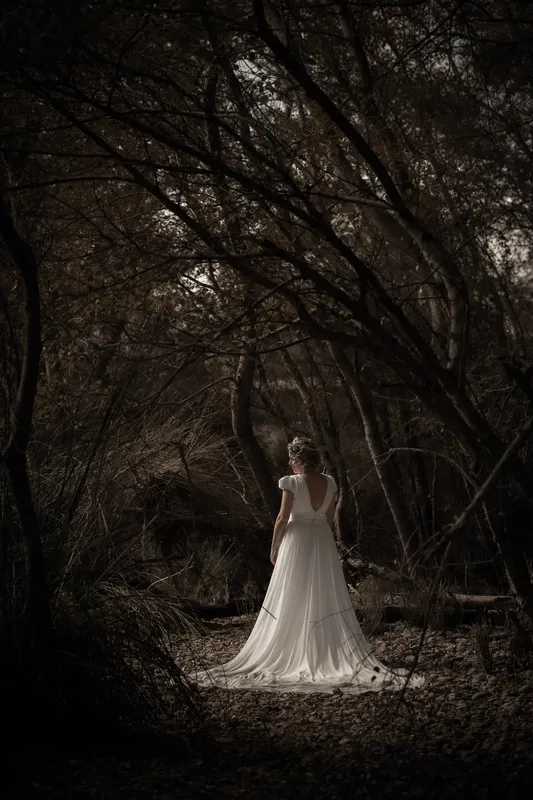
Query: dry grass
(372,595)
(109,667)
(435,610)
(482,633)
(520,642)
(111,664)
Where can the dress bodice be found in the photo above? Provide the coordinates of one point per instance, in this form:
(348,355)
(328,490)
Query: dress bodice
(301,506)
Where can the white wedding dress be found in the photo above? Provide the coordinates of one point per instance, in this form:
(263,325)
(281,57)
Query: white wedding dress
(306,637)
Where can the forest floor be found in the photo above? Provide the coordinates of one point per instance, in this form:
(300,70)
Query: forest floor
(466,733)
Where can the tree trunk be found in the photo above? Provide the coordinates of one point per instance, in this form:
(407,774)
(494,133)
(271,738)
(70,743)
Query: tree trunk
(244,433)
(510,553)
(327,443)
(347,514)
(267,393)
(310,409)
(38,613)
(378,450)
(417,474)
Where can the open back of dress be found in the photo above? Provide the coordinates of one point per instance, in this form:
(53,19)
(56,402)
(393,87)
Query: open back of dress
(306,637)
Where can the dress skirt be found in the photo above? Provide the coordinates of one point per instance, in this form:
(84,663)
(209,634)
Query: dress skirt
(306,637)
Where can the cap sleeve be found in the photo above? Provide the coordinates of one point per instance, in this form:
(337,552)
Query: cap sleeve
(286,483)
(333,482)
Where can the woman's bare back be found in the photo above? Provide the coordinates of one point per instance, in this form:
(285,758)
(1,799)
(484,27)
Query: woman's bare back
(317,484)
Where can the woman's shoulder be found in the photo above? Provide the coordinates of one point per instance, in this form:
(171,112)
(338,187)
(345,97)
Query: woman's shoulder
(287,482)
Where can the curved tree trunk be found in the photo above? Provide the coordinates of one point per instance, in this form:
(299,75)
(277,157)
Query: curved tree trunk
(417,474)
(267,394)
(378,450)
(310,408)
(15,454)
(242,391)
(347,513)
(244,433)
(330,452)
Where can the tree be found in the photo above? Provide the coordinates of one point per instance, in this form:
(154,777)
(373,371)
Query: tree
(14,455)
(319,181)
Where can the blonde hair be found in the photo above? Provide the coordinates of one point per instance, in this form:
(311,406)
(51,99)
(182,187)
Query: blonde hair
(304,452)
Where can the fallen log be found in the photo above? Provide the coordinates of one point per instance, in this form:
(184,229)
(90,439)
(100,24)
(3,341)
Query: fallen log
(452,610)
(444,618)
(484,601)
(234,608)
(357,569)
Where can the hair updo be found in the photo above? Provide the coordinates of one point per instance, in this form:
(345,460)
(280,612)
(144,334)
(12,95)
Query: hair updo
(304,452)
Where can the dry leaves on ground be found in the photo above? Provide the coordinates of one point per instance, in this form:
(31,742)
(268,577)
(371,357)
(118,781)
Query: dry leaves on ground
(465,733)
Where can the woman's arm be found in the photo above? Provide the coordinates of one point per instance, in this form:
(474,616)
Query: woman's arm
(281,523)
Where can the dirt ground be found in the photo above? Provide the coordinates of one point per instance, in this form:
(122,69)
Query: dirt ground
(466,733)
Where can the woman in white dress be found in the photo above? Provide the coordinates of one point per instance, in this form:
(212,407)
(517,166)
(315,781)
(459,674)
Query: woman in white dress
(306,637)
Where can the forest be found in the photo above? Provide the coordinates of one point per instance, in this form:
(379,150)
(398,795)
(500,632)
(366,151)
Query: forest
(224,223)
